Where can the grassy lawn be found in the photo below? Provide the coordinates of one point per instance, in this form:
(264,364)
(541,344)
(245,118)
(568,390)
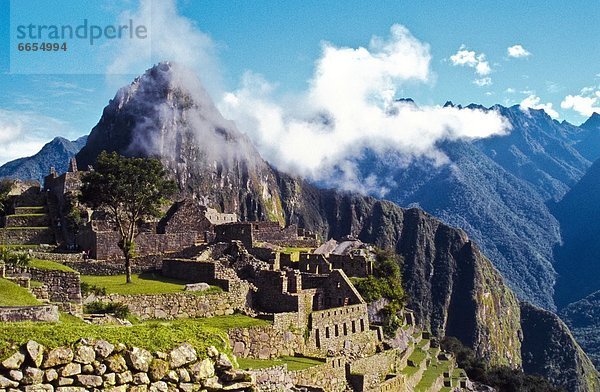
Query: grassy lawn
(431,374)
(152,335)
(232,321)
(146,283)
(49,265)
(409,370)
(417,356)
(12,294)
(293,363)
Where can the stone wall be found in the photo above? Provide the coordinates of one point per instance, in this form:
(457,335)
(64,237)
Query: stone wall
(182,305)
(235,231)
(94,365)
(342,330)
(103,245)
(62,286)
(28,220)
(330,377)
(194,271)
(314,264)
(116,267)
(48,313)
(27,236)
(265,342)
(358,266)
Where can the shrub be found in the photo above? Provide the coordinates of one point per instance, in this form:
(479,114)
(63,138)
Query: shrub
(21,259)
(88,288)
(118,309)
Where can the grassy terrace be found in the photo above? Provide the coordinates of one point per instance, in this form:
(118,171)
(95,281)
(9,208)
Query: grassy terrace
(417,356)
(293,363)
(12,294)
(431,374)
(49,265)
(146,283)
(151,335)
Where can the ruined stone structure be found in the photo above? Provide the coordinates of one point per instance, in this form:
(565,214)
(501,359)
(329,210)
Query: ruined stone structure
(327,307)
(256,234)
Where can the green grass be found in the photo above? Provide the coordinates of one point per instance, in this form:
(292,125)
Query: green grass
(49,265)
(12,294)
(293,363)
(152,335)
(417,356)
(410,370)
(431,374)
(20,247)
(290,250)
(30,208)
(146,283)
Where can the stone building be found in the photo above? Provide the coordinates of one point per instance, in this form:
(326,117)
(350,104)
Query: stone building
(327,307)
(257,234)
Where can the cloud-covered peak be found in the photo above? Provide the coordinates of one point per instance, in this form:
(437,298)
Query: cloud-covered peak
(534,102)
(350,106)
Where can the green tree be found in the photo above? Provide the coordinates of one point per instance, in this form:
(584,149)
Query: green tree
(5,187)
(128,190)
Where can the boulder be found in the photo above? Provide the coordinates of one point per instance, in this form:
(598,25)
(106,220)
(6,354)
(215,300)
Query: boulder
(85,355)
(35,351)
(197,287)
(33,376)
(124,378)
(159,386)
(16,375)
(51,375)
(71,389)
(103,348)
(58,356)
(182,355)
(7,383)
(89,381)
(158,369)
(141,378)
(70,369)
(116,363)
(139,359)
(39,388)
(202,370)
(14,361)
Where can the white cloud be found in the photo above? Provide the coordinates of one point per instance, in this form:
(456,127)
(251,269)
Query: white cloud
(518,51)
(487,81)
(23,133)
(510,90)
(470,58)
(534,102)
(350,106)
(171,36)
(584,105)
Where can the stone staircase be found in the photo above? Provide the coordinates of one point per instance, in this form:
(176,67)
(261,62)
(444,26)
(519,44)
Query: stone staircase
(420,367)
(28,225)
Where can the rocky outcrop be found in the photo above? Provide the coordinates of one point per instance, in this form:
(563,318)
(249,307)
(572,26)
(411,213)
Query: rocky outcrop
(550,350)
(166,113)
(99,365)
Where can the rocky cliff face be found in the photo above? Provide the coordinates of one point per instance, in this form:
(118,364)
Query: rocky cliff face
(550,350)
(452,287)
(166,113)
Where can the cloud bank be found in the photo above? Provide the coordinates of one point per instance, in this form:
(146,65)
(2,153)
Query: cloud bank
(534,102)
(585,103)
(350,106)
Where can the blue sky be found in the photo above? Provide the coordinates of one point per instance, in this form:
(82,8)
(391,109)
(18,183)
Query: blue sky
(50,94)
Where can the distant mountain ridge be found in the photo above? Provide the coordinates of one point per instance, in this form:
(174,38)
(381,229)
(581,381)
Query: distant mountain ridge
(56,153)
(497,189)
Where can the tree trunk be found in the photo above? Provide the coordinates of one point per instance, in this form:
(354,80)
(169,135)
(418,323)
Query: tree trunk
(128,267)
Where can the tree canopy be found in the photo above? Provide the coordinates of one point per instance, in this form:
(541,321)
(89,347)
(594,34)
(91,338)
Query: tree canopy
(129,191)
(5,187)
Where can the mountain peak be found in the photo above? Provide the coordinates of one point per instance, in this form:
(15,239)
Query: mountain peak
(593,122)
